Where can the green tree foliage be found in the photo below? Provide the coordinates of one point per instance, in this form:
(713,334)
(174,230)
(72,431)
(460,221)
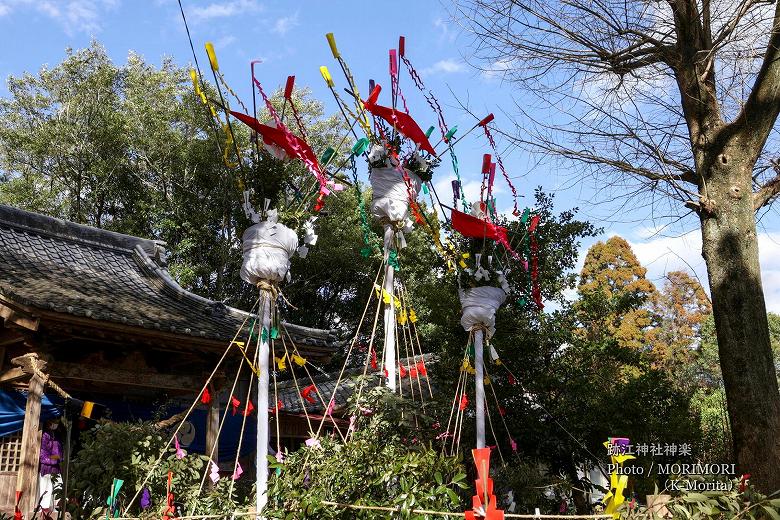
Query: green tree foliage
(129,451)
(130,148)
(613,290)
(385,463)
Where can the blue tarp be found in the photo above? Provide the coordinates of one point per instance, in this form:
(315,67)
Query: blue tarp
(12,404)
(228,439)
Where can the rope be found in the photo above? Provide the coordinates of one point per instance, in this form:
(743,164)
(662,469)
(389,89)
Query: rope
(352,346)
(46,381)
(189,411)
(249,387)
(319,394)
(298,389)
(270,287)
(236,514)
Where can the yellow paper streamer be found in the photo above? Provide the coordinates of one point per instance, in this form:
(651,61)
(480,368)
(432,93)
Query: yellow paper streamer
(326,76)
(212,56)
(228,147)
(332,43)
(298,360)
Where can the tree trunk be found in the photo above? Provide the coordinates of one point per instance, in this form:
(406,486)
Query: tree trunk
(730,249)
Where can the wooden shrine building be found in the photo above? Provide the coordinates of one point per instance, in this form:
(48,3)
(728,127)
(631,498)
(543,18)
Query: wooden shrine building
(94,314)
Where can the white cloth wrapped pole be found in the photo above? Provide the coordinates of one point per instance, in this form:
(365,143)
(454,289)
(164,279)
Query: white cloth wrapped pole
(390,200)
(389,323)
(263,436)
(268,247)
(479,307)
(479,383)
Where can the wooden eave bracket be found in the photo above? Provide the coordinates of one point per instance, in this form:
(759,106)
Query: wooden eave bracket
(14,316)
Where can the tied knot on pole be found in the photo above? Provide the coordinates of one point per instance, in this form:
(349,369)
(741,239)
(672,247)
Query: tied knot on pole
(272,288)
(269,287)
(393,228)
(479,326)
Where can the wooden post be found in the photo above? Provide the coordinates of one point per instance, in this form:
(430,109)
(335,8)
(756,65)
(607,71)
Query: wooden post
(212,425)
(27,477)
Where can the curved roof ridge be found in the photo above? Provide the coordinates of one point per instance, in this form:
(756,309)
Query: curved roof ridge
(65,229)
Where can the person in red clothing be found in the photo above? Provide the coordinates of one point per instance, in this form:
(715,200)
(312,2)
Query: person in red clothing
(51,455)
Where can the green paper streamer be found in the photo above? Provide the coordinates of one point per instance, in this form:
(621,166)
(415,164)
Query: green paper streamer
(429,132)
(360,146)
(327,155)
(274,333)
(392,260)
(525,217)
(111,501)
(450,133)
(264,335)
(425,189)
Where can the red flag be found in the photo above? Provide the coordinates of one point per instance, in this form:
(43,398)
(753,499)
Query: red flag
(512,380)
(373,359)
(279,406)
(413,373)
(473,227)
(421,368)
(400,121)
(402,370)
(235,403)
(306,393)
(170,511)
(293,145)
(205,397)
(249,408)
(464,402)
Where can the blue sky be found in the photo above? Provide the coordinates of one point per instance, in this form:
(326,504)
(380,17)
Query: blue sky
(289,37)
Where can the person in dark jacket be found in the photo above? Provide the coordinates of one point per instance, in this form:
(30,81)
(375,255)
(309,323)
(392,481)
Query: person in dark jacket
(51,455)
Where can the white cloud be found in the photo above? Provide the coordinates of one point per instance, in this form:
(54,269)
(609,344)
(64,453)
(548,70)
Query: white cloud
(446,34)
(448,66)
(225,9)
(498,69)
(225,41)
(283,25)
(664,254)
(74,15)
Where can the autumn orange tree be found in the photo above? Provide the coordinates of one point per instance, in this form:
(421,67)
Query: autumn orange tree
(675,104)
(681,307)
(613,293)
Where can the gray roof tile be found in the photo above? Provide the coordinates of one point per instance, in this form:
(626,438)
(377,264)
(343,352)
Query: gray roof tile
(57,265)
